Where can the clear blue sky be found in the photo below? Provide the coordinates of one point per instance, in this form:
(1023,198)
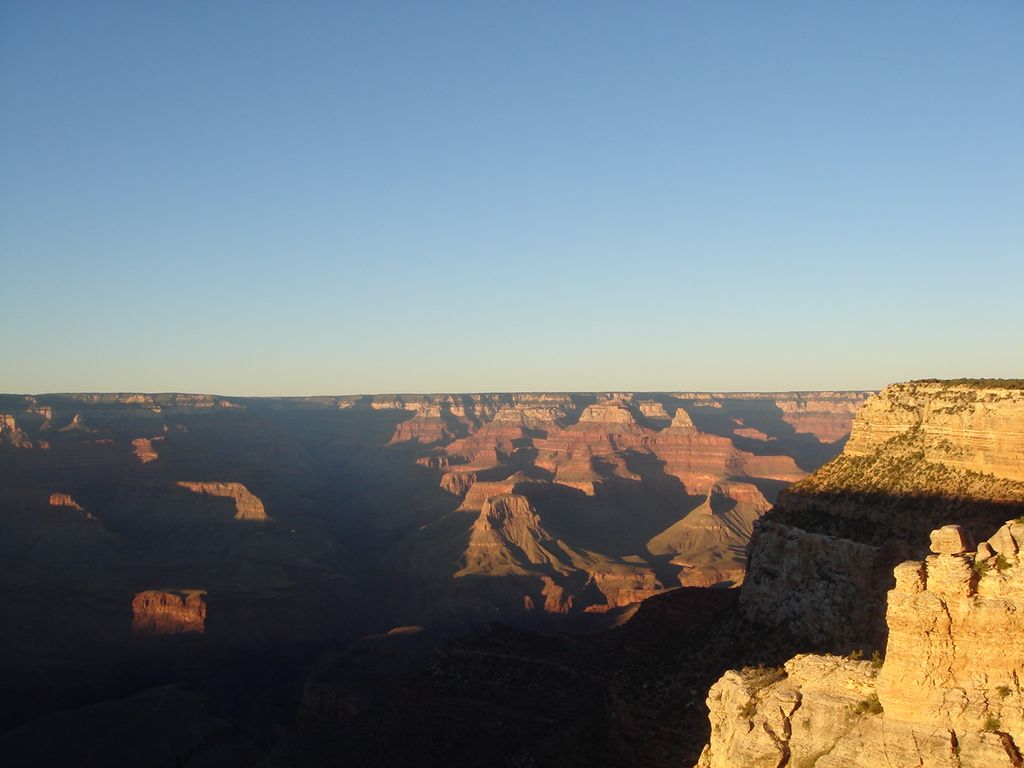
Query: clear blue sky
(291,198)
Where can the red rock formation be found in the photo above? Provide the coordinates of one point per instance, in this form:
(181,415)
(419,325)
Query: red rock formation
(77,424)
(144,450)
(507,538)
(247,506)
(64,500)
(458,483)
(555,599)
(622,585)
(699,459)
(708,544)
(11,434)
(479,492)
(433,461)
(750,432)
(169,611)
(603,430)
(427,426)
(826,415)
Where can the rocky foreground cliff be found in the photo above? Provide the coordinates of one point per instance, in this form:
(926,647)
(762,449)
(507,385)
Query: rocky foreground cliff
(947,695)
(920,455)
(874,555)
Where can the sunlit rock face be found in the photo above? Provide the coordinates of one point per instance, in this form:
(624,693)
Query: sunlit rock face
(980,429)
(144,450)
(947,694)
(920,455)
(64,500)
(169,612)
(247,506)
(11,434)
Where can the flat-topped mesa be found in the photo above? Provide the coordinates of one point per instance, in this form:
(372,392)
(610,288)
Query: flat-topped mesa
(654,413)
(948,694)
(169,612)
(613,412)
(64,500)
(479,491)
(972,427)
(143,448)
(539,415)
(247,505)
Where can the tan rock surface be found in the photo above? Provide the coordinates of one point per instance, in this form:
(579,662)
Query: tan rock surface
(169,611)
(64,500)
(974,428)
(11,434)
(247,506)
(948,693)
(458,483)
(144,450)
(921,454)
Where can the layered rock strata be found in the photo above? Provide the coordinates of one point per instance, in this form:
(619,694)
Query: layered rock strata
(247,505)
(920,455)
(169,611)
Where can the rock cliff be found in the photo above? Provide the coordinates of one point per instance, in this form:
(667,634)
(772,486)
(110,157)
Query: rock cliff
(169,611)
(920,455)
(948,693)
(247,506)
(144,450)
(11,434)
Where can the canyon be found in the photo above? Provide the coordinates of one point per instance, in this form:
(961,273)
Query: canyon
(436,579)
(155,533)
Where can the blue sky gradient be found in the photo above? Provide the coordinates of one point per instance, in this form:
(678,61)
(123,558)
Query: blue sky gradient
(300,198)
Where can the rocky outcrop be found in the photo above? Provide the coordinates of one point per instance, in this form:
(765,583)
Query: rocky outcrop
(821,559)
(144,450)
(64,500)
(508,537)
(169,611)
(247,506)
(815,587)
(709,543)
(700,459)
(948,693)
(458,483)
(11,434)
(428,425)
